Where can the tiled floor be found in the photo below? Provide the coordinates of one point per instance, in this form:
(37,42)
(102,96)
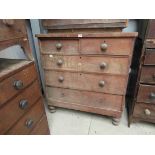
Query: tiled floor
(71,122)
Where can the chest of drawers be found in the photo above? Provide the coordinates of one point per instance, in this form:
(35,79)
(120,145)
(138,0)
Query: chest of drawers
(143,105)
(21,104)
(88,71)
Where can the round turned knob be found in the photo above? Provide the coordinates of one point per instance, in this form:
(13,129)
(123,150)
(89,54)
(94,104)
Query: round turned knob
(23,104)
(29,123)
(104,46)
(58,46)
(152,95)
(61,79)
(18,84)
(103,65)
(59,62)
(147,112)
(101,83)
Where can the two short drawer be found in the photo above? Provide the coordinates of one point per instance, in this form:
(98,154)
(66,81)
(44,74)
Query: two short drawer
(99,46)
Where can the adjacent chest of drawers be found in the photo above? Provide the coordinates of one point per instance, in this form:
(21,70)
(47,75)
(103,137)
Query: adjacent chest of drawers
(143,105)
(87,72)
(21,105)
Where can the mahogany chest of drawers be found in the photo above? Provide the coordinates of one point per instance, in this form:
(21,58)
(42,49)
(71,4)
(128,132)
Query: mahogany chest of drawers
(21,104)
(88,71)
(143,105)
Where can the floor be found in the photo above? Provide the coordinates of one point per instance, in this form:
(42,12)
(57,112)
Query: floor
(71,122)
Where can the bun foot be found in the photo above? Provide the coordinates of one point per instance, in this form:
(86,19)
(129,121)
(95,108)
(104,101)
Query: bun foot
(52,109)
(115,121)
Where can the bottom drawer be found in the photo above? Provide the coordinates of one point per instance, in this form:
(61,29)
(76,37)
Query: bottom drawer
(144,111)
(41,128)
(25,125)
(100,103)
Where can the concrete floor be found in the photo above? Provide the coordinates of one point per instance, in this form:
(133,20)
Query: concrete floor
(71,122)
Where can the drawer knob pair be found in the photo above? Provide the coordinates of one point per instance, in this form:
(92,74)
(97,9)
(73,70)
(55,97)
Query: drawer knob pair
(61,79)
(18,84)
(147,112)
(59,62)
(103,65)
(152,95)
(23,104)
(58,46)
(29,123)
(101,83)
(104,46)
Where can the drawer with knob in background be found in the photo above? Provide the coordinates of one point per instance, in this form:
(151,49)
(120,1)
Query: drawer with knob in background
(149,58)
(89,82)
(18,106)
(144,111)
(146,94)
(87,64)
(26,124)
(147,75)
(17,82)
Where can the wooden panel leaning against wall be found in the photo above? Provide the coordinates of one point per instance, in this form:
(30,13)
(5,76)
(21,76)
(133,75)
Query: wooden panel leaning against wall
(21,102)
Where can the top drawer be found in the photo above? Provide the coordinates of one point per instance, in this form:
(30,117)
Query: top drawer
(16,83)
(74,44)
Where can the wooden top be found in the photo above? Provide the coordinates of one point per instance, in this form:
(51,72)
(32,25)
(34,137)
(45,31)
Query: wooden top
(88,35)
(56,24)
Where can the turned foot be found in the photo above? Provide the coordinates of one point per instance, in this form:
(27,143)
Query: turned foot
(52,109)
(115,121)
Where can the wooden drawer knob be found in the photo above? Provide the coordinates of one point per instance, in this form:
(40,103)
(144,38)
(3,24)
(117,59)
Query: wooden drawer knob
(58,46)
(152,95)
(147,112)
(29,123)
(23,104)
(59,62)
(101,83)
(104,46)
(61,78)
(18,84)
(103,65)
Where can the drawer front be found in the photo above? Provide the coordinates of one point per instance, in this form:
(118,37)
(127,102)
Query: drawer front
(144,111)
(90,82)
(59,46)
(16,83)
(112,46)
(146,94)
(149,57)
(85,98)
(96,64)
(41,128)
(148,75)
(29,120)
(14,109)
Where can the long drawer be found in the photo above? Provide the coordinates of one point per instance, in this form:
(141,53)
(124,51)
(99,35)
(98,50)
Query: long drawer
(90,64)
(25,125)
(88,101)
(89,82)
(146,94)
(16,83)
(144,111)
(148,75)
(74,46)
(17,107)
